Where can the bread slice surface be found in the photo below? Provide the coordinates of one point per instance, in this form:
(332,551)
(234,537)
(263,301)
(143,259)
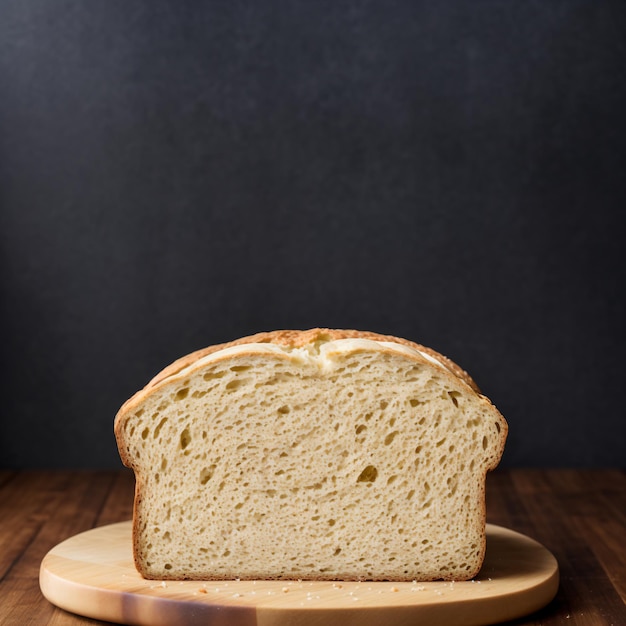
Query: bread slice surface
(324,454)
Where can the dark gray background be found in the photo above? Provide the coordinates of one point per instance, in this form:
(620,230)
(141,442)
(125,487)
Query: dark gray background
(175,174)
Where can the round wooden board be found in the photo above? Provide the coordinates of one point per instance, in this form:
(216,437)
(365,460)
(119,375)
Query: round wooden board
(93,574)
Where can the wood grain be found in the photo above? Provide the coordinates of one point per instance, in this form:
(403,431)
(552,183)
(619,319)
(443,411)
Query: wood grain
(580,516)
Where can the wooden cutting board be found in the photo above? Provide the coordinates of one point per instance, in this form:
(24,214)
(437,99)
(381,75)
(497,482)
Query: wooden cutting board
(93,574)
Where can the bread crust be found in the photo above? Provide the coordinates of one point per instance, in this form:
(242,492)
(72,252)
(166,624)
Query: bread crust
(299,338)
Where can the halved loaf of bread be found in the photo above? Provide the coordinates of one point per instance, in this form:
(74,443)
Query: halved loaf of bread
(319,455)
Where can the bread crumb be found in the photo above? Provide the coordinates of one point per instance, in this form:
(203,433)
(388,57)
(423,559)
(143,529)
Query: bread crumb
(394,589)
(202,590)
(384,372)
(285,589)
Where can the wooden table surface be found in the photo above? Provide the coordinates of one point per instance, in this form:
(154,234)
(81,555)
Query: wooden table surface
(580,516)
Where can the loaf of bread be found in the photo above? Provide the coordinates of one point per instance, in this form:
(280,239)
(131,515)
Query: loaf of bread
(314,455)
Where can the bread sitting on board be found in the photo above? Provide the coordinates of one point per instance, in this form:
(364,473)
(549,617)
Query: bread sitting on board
(313,455)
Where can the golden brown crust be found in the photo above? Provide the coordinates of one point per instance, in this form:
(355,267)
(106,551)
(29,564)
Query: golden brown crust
(299,338)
